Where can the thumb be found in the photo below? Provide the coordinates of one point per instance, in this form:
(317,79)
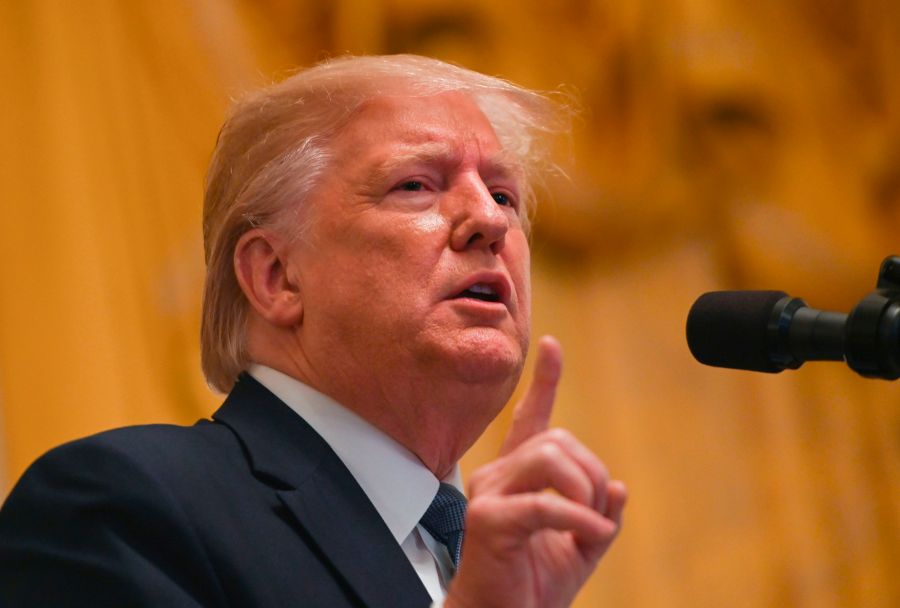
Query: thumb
(532,413)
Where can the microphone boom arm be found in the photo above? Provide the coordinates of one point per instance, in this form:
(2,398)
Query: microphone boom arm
(770,331)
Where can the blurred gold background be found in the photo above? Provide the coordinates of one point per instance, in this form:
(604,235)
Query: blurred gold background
(723,145)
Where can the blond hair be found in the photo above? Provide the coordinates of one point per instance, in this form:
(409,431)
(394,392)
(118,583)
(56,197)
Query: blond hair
(274,146)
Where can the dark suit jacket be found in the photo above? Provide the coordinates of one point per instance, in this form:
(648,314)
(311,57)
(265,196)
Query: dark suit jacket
(250,509)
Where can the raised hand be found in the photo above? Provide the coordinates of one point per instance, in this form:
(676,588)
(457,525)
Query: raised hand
(526,546)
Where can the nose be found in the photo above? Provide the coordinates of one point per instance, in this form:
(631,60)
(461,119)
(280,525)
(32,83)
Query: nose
(479,221)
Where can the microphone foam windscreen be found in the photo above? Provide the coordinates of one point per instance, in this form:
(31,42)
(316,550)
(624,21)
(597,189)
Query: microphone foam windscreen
(728,329)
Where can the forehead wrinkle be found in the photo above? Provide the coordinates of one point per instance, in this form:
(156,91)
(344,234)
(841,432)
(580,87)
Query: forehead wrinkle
(428,153)
(441,152)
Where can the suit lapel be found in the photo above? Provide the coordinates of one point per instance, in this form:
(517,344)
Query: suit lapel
(356,541)
(323,496)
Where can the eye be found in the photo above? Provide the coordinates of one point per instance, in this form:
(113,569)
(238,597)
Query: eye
(411,186)
(502,199)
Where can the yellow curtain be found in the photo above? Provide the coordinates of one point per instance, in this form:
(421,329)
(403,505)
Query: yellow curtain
(114,106)
(724,145)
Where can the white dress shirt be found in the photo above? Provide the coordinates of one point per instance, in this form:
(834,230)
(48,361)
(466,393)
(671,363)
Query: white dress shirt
(400,487)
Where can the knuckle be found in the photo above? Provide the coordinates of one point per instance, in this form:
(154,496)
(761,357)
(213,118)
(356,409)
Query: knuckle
(476,479)
(603,472)
(479,512)
(542,502)
(476,508)
(561,435)
(482,478)
(520,414)
(549,452)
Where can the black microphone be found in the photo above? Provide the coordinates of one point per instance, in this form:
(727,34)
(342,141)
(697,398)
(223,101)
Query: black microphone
(770,331)
(762,331)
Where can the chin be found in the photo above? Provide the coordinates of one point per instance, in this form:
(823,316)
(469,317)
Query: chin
(487,356)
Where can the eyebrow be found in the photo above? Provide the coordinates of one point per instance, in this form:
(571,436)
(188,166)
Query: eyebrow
(502,164)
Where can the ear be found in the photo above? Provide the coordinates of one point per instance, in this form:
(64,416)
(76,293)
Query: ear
(264,279)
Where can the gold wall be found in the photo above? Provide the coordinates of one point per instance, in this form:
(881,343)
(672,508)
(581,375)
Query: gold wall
(723,145)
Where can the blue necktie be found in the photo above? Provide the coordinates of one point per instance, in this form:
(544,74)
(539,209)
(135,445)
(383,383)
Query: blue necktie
(445,519)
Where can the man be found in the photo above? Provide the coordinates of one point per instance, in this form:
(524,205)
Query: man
(367,308)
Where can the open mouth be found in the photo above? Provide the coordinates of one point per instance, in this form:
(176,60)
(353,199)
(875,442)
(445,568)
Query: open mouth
(481,291)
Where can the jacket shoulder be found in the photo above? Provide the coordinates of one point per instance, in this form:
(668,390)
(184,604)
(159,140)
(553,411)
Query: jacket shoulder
(100,517)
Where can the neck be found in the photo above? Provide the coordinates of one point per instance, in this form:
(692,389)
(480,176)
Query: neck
(434,415)
(436,421)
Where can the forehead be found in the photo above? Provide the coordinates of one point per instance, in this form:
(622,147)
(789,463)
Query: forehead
(447,124)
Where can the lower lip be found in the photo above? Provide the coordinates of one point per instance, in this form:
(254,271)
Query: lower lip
(480,307)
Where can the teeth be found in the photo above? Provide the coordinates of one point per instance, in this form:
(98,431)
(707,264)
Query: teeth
(481,288)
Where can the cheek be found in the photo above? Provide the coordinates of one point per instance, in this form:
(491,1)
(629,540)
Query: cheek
(397,257)
(397,234)
(518,263)
(408,248)
(428,224)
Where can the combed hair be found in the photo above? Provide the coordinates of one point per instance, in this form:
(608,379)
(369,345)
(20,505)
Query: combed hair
(274,147)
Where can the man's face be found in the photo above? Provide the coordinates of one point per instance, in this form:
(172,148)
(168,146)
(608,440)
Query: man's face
(417,263)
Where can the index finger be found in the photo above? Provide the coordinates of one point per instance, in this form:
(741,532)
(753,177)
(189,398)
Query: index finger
(532,413)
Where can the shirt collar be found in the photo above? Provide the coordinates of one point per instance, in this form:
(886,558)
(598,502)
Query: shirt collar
(400,487)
